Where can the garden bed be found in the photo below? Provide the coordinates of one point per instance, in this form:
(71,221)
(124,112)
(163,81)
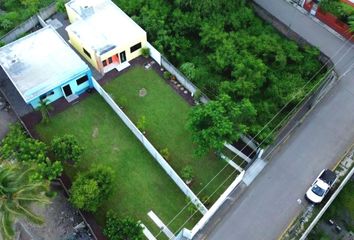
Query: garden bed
(142,93)
(141,184)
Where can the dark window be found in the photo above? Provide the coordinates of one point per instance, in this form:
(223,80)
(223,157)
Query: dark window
(110,60)
(87,53)
(42,97)
(135,47)
(82,80)
(104,62)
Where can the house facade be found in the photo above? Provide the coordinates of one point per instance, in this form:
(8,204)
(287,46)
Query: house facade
(103,34)
(42,66)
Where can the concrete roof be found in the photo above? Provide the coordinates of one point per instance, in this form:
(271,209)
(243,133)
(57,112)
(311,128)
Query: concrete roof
(39,62)
(103,25)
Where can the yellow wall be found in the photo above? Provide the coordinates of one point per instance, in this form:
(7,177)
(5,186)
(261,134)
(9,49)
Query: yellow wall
(75,42)
(73,16)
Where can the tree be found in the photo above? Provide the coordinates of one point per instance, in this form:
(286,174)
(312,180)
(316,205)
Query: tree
(85,194)
(188,69)
(60,5)
(351,23)
(17,146)
(67,148)
(44,108)
(17,192)
(219,121)
(122,229)
(90,189)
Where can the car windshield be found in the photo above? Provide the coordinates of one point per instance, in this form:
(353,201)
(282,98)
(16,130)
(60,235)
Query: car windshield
(318,191)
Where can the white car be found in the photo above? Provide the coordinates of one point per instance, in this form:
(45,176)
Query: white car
(321,186)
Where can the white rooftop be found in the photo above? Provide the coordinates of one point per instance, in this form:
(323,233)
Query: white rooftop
(39,62)
(103,25)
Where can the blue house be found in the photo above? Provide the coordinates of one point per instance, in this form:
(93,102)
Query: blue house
(42,66)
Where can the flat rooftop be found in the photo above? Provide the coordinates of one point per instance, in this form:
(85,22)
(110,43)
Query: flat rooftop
(103,25)
(39,62)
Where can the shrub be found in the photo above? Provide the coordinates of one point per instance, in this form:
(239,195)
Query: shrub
(122,229)
(141,123)
(187,173)
(85,194)
(60,5)
(145,52)
(90,189)
(165,153)
(67,148)
(197,95)
(188,69)
(167,75)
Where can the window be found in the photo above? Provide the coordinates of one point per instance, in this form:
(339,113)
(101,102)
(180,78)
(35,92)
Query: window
(104,62)
(44,96)
(135,47)
(110,60)
(82,80)
(87,53)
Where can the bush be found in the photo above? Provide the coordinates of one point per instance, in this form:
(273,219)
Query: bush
(141,123)
(122,229)
(60,5)
(167,75)
(90,189)
(67,148)
(197,95)
(187,173)
(145,52)
(165,153)
(85,194)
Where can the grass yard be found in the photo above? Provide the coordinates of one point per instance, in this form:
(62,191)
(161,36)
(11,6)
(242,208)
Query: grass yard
(166,116)
(141,184)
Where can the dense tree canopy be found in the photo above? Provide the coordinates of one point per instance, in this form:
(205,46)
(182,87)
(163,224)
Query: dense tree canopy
(226,49)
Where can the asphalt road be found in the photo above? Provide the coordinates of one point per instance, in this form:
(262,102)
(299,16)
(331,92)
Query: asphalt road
(269,204)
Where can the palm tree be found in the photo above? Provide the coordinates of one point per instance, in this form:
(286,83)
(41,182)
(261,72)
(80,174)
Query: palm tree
(44,108)
(16,193)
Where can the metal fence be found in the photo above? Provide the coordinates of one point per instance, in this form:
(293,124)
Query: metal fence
(150,148)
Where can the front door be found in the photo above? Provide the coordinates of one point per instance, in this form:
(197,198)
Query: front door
(123,58)
(67,90)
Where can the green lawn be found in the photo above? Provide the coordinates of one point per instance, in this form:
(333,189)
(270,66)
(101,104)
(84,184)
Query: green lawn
(141,184)
(166,115)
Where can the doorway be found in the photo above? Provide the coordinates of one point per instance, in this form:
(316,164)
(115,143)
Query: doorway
(67,90)
(123,58)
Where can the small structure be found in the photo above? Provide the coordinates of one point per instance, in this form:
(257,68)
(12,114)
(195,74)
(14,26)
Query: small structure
(42,66)
(104,34)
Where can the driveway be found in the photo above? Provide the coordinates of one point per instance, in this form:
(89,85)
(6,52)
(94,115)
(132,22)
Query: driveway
(270,202)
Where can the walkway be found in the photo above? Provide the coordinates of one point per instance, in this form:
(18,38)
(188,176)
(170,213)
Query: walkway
(269,204)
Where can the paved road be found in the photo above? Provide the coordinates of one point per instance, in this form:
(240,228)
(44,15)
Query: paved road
(269,204)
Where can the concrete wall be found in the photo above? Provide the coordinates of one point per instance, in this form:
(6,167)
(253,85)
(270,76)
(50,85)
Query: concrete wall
(26,26)
(75,88)
(151,149)
(156,55)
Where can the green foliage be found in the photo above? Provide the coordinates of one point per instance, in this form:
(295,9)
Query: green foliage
(188,69)
(67,148)
(141,125)
(60,5)
(2,44)
(165,153)
(187,173)
(145,52)
(220,121)
(16,195)
(85,194)
(167,75)
(90,189)
(197,95)
(339,9)
(351,23)
(44,108)
(20,147)
(122,229)
(226,49)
